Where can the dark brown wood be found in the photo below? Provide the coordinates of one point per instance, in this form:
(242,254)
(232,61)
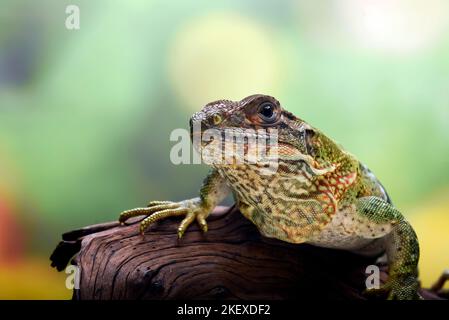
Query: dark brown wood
(231,261)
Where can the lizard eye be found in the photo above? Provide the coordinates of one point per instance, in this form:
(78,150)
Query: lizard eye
(267,112)
(216,119)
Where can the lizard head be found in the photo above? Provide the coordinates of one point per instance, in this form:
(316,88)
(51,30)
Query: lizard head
(258,114)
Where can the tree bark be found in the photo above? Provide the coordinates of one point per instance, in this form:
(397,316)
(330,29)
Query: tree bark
(231,261)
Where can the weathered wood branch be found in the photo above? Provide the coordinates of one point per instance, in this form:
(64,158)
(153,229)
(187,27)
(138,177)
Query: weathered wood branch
(231,261)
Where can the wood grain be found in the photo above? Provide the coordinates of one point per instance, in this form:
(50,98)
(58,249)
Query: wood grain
(231,261)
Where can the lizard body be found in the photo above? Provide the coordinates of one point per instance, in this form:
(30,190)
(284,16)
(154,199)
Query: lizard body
(319,194)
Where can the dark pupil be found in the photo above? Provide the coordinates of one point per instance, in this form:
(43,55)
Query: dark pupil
(267,110)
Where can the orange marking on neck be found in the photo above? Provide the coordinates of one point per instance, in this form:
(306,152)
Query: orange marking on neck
(336,184)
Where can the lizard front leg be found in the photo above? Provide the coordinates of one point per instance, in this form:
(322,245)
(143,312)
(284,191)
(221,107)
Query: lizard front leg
(401,246)
(212,192)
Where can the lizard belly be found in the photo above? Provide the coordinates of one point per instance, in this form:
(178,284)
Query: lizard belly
(349,230)
(289,208)
(281,206)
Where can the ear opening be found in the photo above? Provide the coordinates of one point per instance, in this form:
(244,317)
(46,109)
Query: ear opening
(309,135)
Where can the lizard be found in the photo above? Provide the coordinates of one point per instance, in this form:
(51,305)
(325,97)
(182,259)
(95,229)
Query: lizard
(319,194)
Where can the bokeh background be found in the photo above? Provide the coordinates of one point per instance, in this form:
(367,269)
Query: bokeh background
(85,115)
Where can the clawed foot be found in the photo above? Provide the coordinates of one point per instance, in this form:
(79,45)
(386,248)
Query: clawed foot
(439,285)
(405,288)
(156,210)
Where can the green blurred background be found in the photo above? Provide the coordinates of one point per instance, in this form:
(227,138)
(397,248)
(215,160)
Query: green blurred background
(85,115)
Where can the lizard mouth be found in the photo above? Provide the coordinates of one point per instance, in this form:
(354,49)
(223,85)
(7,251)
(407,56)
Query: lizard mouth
(198,142)
(225,136)
(197,139)
(235,145)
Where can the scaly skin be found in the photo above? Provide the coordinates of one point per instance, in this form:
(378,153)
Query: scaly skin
(319,194)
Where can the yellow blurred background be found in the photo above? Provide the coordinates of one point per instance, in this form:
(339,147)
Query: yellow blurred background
(85,115)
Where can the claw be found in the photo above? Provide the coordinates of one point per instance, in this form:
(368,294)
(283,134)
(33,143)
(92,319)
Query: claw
(125,215)
(161,215)
(438,286)
(202,222)
(156,203)
(157,210)
(185,223)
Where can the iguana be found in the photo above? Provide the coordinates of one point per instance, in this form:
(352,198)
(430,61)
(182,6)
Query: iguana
(319,193)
